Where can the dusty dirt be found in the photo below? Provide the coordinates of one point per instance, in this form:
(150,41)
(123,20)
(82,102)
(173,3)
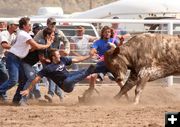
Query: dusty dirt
(103,111)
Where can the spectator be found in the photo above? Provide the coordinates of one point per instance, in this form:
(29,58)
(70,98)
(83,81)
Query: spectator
(7,39)
(99,47)
(59,37)
(119,33)
(81,44)
(36,28)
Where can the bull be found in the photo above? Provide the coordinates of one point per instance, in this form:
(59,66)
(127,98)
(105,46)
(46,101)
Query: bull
(148,57)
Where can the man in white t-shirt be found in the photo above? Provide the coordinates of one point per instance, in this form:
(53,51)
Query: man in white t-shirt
(7,39)
(23,44)
(80,43)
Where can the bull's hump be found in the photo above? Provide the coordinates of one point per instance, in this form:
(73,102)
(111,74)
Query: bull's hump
(157,42)
(154,48)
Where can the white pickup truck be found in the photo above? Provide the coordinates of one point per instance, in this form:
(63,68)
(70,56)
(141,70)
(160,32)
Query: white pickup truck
(69,29)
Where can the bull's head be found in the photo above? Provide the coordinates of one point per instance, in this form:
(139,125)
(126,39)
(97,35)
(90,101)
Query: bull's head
(116,64)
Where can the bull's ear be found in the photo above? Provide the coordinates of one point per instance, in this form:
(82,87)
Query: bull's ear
(116,51)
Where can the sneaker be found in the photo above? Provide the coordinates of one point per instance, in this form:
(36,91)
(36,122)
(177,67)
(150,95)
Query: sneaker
(100,77)
(3,98)
(48,97)
(91,69)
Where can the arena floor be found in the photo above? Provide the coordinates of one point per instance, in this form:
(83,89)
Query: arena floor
(103,111)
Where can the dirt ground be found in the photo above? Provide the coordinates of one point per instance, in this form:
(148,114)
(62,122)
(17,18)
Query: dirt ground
(103,111)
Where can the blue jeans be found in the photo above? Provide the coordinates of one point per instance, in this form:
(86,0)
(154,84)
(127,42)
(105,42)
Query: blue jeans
(16,74)
(53,88)
(30,75)
(101,68)
(3,76)
(36,91)
(72,78)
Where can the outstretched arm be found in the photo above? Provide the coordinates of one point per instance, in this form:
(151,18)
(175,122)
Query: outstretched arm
(80,58)
(92,54)
(32,84)
(36,45)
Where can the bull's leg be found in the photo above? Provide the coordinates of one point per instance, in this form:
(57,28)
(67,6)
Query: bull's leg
(131,81)
(139,88)
(120,83)
(146,74)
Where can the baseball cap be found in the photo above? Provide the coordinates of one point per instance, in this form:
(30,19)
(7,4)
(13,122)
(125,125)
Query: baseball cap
(37,26)
(13,22)
(51,20)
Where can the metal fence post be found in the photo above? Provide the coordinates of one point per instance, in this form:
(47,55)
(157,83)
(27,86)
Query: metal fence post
(170,31)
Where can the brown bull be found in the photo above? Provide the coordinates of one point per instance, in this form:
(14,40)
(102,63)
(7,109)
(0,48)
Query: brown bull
(148,56)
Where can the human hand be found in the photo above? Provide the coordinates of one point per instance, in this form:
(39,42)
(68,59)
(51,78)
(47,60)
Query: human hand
(112,45)
(121,39)
(25,92)
(49,40)
(101,58)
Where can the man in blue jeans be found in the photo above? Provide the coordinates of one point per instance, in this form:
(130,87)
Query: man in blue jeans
(7,39)
(58,73)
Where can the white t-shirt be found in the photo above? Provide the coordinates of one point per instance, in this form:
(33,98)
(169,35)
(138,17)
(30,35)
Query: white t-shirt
(21,48)
(82,44)
(6,37)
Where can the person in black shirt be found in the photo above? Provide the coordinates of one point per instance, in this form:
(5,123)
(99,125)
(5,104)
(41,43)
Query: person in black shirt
(58,73)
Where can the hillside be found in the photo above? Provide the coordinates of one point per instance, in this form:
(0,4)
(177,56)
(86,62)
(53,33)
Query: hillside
(12,8)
